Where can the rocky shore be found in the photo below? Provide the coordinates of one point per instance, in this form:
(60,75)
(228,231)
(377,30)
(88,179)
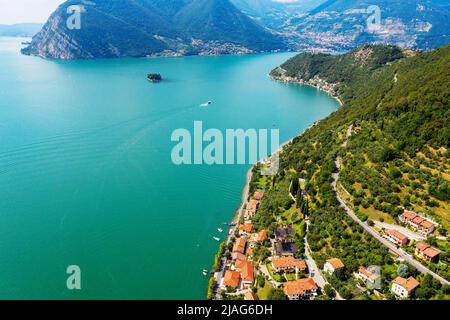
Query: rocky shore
(279,74)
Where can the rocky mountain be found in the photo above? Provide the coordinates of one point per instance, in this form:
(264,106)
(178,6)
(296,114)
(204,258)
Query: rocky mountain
(340,25)
(274,14)
(136,28)
(20,30)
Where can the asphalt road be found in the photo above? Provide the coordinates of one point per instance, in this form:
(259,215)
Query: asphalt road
(400,253)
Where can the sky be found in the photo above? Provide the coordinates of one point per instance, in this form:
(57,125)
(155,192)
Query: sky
(19,11)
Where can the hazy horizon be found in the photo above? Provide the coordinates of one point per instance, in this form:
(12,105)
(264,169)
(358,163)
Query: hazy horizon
(27,11)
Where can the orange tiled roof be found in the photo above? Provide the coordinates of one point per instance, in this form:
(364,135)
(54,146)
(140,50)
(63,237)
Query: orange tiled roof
(336,263)
(300,287)
(239,264)
(396,234)
(367,273)
(431,252)
(253,204)
(408,215)
(288,262)
(418,220)
(427,224)
(237,256)
(239,246)
(248,271)
(231,279)
(409,284)
(421,246)
(258,195)
(246,227)
(262,235)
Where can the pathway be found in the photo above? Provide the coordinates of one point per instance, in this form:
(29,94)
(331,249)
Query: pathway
(400,253)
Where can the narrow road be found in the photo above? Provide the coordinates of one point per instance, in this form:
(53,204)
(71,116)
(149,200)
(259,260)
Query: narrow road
(400,253)
(312,266)
(264,271)
(314,270)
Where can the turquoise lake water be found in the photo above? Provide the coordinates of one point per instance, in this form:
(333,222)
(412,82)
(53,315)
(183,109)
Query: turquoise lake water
(86,176)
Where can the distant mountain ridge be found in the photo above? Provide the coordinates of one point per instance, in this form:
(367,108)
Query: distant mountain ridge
(136,28)
(20,29)
(341,25)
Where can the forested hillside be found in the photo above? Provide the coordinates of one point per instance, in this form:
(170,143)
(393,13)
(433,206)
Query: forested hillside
(138,28)
(392,136)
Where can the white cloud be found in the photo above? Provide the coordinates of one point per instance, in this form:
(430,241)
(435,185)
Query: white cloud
(17,11)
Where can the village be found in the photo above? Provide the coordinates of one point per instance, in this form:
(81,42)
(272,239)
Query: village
(294,275)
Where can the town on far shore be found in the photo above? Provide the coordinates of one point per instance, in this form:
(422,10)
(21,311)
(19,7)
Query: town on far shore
(277,263)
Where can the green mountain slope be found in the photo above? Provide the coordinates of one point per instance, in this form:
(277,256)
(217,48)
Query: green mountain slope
(135,28)
(397,159)
(220,19)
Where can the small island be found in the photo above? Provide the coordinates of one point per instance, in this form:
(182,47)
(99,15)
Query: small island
(154,77)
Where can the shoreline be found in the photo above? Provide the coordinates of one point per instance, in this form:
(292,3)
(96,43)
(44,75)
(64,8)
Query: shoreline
(246,189)
(316,83)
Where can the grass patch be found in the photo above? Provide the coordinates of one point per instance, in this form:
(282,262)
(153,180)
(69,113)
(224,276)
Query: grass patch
(263,293)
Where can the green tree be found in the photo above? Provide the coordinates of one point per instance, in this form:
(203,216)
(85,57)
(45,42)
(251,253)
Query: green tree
(328,289)
(276,294)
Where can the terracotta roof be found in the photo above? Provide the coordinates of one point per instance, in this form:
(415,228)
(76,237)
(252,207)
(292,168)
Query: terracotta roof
(396,234)
(237,256)
(408,215)
(252,204)
(239,264)
(239,246)
(249,296)
(246,227)
(418,220)
(421,246)
(427,224)
(409,284)
(300,287)
(432,252)
(258,195)
(369,274)
(248,271)
(336,263)
(231,279)
(262,235)
(288,262)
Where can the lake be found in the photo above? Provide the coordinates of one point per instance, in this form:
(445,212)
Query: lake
(86,175)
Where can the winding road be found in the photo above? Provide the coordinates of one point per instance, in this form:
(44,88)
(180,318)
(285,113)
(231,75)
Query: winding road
(400,253)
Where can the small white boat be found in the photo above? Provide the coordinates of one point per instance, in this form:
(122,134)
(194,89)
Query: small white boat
(220,230)
(217,239)
(206,104)
(205,272)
